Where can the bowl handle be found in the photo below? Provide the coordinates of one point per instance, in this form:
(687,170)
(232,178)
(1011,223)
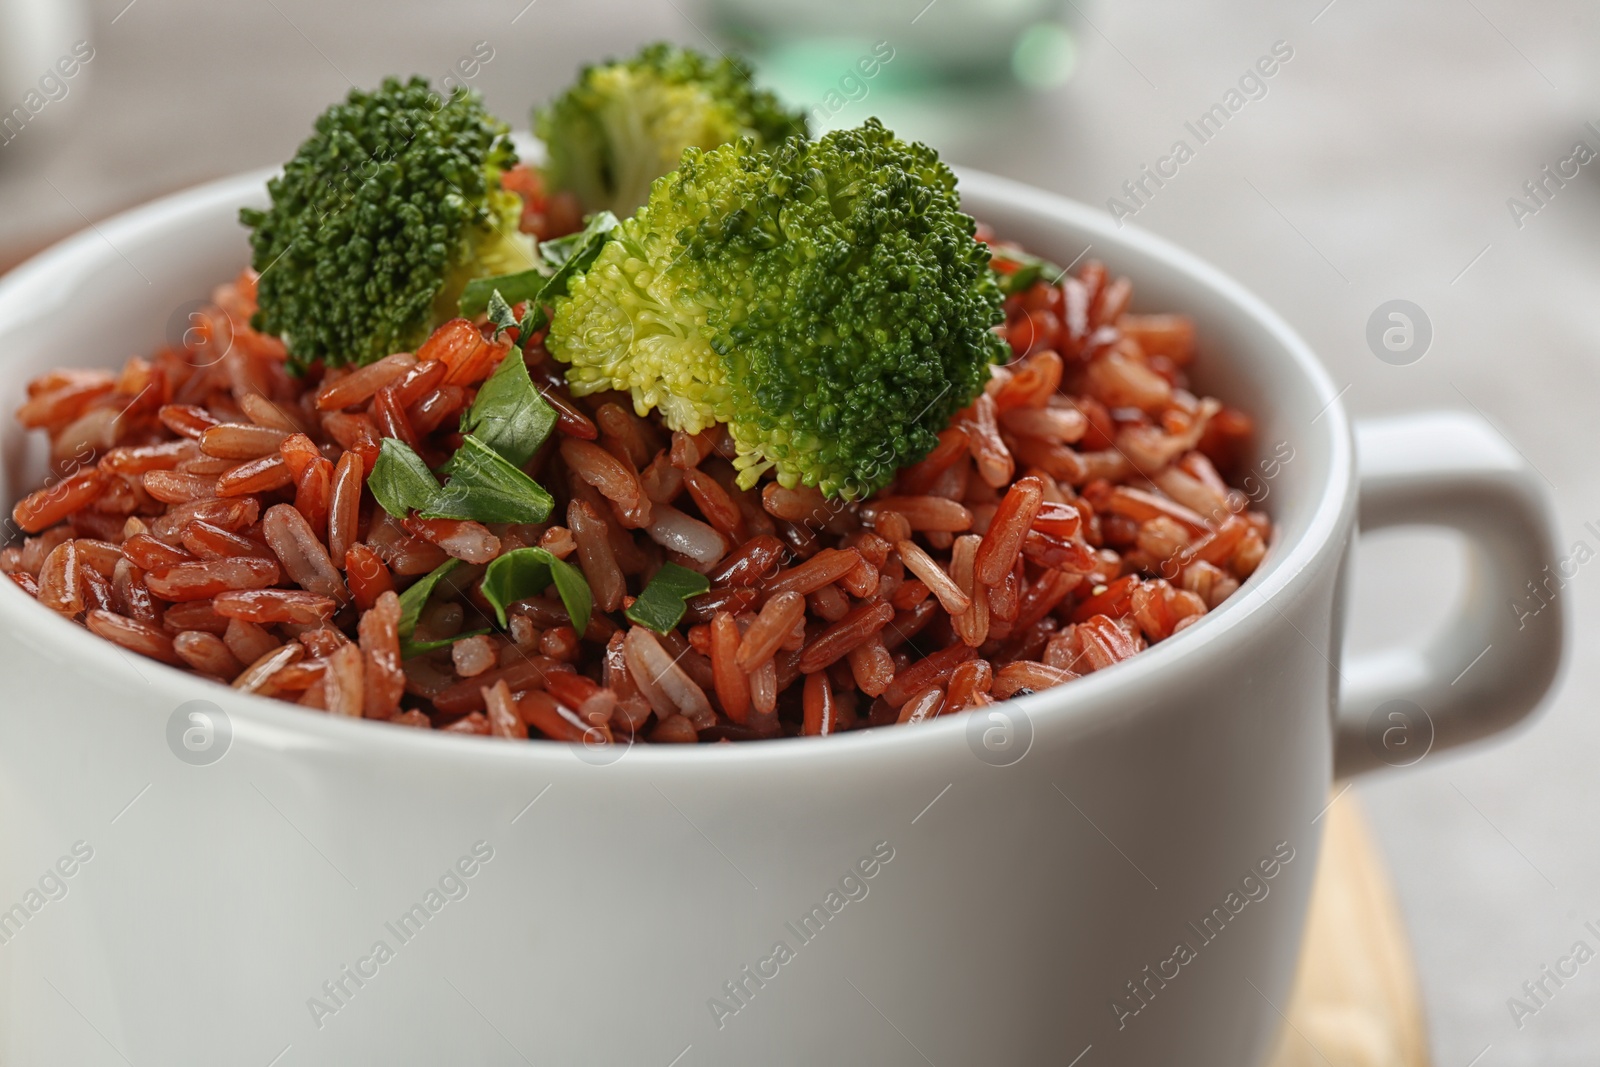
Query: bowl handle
(1496,661)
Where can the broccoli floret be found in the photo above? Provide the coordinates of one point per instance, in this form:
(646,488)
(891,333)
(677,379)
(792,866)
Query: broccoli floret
(626,122)
(826,300)
(381,219)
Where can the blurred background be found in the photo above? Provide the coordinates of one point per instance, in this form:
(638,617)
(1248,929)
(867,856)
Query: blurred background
(1384,159)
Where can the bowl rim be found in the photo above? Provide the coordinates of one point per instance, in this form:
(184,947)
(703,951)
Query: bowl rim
(1285,575)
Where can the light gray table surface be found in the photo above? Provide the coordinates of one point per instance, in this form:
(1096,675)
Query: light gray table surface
(1378,166)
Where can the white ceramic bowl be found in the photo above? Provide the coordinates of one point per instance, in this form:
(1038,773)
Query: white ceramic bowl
(1120,863)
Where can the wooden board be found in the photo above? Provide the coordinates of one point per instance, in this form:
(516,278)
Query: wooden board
(1355,1001)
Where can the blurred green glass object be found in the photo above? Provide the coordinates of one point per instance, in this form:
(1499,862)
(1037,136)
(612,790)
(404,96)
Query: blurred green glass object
(811,48)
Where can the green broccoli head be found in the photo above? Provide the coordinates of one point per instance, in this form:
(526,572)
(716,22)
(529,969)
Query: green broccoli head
(827,301)
(381,219)
(626,123)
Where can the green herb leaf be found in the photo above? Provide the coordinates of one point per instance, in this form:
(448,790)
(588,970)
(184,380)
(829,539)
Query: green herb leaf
(500,313)
(567,255)
(400,481)
(574,247)
(417,648)
(661,605)
(1030,269)
(523,572)
(413,600)
(485,488)
(510,415)
(513,289)
(572,254)
(533,319)
(416,596)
